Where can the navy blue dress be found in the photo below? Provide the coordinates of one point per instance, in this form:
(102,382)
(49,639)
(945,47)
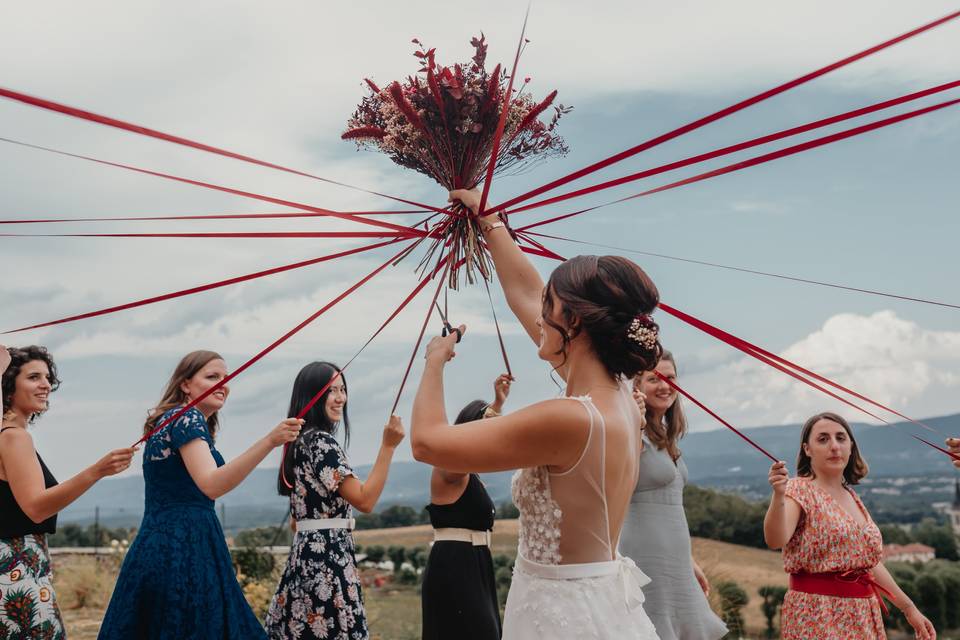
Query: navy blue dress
(319,595)
(177,581)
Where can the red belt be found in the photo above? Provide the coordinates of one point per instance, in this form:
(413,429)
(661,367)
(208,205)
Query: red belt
(858,583)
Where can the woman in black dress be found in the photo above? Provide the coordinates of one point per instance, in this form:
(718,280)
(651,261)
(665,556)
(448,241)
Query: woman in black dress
(459,590)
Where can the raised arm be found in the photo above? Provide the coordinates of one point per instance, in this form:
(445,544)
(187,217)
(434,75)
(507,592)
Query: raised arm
(783,514)
(521,283)
(551,433)
(215,481)
(26,477)
(363,495)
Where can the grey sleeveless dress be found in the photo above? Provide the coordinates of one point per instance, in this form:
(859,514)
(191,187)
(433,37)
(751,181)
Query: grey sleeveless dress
(656,536)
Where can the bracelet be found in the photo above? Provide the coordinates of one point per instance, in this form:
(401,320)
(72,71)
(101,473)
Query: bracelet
(487,228)
(490,412)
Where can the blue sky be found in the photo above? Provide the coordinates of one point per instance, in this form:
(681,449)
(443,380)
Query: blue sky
(877,211)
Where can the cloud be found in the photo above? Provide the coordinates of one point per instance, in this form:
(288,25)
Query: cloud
(890,359)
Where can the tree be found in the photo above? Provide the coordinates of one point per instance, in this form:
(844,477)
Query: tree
(940,537)
(892,534)
(418,556)
(931,600)
(732,600)
(507,511)
(397,555)
(398,516)
(724,517)
(375,553)
(949,575)
(772,599)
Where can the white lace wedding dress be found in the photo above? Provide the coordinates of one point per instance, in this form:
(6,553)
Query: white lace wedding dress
(569,582)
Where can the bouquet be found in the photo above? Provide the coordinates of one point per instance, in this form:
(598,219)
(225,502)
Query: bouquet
(442,122)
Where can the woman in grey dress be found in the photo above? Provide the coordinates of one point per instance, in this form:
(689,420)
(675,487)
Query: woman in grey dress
(655,533)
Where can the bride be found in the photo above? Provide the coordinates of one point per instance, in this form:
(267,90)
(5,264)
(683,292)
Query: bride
(577,455)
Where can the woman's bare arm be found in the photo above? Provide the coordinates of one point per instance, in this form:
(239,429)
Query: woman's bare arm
(26,477)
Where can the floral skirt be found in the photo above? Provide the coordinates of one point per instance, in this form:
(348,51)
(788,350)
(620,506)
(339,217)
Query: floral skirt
(809,616)
(319,595)
(28,604)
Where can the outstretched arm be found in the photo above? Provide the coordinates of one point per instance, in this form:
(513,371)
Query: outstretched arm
(521,282)
(551,433)
(26,477)
(215,481)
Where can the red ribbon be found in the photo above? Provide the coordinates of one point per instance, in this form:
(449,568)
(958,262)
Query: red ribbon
(504,109)
(696,124)
(218,216)
(673,385)
(767,157)
(153,133)
(222,234)
(782,364)
(204,287)
(776,361)
(716,153)
(236,192)
(745,270)
(268,349)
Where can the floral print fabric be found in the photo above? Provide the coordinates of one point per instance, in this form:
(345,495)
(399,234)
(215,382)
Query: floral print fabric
(319,595)
(828,539)
(28,604)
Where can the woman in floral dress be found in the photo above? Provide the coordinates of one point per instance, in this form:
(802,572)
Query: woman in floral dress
(319,593)
(831,547)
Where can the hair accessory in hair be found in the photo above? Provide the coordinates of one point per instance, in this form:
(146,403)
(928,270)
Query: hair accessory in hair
(643,330)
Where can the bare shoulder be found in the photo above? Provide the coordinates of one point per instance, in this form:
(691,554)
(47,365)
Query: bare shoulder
(16,437)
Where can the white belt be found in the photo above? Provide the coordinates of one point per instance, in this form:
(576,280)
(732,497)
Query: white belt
(476,538)
(325,523)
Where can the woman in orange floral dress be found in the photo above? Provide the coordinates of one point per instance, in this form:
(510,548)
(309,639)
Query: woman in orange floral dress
(831,546)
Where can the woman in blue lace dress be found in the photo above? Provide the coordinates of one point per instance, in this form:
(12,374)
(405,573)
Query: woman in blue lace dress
(319,593)
(177,581)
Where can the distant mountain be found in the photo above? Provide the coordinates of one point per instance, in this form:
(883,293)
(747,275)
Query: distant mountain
(714,458)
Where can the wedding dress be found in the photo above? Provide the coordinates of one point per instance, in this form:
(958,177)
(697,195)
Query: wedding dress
(568,581)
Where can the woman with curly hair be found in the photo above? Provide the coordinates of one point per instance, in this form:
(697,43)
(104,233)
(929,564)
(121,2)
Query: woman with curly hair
(30,496)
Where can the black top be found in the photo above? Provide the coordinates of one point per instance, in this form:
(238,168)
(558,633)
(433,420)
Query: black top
(473,509)
(14,523)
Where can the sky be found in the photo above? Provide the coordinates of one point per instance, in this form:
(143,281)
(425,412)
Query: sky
(278,82)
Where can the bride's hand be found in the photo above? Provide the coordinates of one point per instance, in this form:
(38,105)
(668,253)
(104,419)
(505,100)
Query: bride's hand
(469,197)
(441,348)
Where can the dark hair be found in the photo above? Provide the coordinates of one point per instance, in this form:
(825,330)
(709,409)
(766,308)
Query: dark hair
(18,358)
(473,411)
(173,395)
(603,295)
(674,426)
(856,468)
(311,379)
